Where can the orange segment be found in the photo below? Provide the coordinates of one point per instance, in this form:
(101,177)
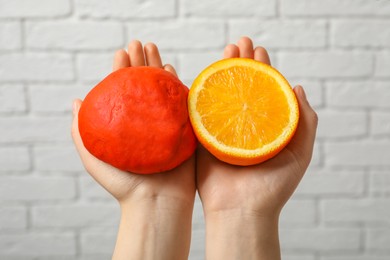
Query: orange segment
(243,111)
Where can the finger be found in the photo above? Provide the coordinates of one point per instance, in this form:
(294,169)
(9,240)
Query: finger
(231,51)
(303,141)
(75,127)
(121,60)
(261,54)
(171,69)
(102,172)
(245,45)
(136,54)
(152,55)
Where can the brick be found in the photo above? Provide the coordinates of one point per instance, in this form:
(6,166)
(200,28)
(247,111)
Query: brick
(86,215)
(37,244)
(382,64)
(36,67)
(204,35)
(205,8)
(378,239)
(14,158)
(94,67)
(91,190)
(325,64)
(35,129)
(95,257)
(97,242)
(363,153)
(12,98)
(290,34)
(333,183)
(358,94)
(288,256)
(58,257)
(13,217)
(380,182)
(361,33)
(192,64)
(335,8)
(355,257)
(64,35)
(62,158)
(55,97)
(298,213)
(322,240)
(349,124)
(10,35)
(356,210)
(31,188)
(29,9)
(380,123)
(126,9)
(19,257)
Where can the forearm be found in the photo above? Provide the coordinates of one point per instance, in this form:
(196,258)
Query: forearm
(154,229)
(239,235)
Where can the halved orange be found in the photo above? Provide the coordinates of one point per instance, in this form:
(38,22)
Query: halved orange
(243,111)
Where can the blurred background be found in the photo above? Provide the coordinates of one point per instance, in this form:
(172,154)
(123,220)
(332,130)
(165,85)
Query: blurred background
(52,51)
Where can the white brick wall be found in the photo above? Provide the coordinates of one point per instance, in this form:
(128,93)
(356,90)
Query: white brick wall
(56,50)
(12,98)
(326,64)
(35,244)
(82,216)
(205,8)
(10,35)
(13,217)
(74,35)
(335,8)
(35,66)
(303,34)
(37,188)
(376,33)
(195,34)
(29,9)
(123,9)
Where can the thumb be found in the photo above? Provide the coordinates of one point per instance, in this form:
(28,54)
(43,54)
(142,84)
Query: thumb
(76,106)
(303,141)
(75,126)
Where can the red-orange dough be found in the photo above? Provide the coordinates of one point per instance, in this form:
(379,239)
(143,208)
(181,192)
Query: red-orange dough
(136,119)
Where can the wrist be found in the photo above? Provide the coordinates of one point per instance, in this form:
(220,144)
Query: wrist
(154,227)
(146,201)
(240,234)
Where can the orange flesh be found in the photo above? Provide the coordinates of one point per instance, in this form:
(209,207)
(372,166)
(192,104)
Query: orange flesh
(247,113)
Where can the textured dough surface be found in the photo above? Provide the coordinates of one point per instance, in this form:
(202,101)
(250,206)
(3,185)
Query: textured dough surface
(136,119)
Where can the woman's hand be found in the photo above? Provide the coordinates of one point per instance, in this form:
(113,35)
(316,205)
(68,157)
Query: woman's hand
(157,208)
(243,203)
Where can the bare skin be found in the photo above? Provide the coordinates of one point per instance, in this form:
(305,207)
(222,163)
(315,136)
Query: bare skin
(242,204)
(156,210)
